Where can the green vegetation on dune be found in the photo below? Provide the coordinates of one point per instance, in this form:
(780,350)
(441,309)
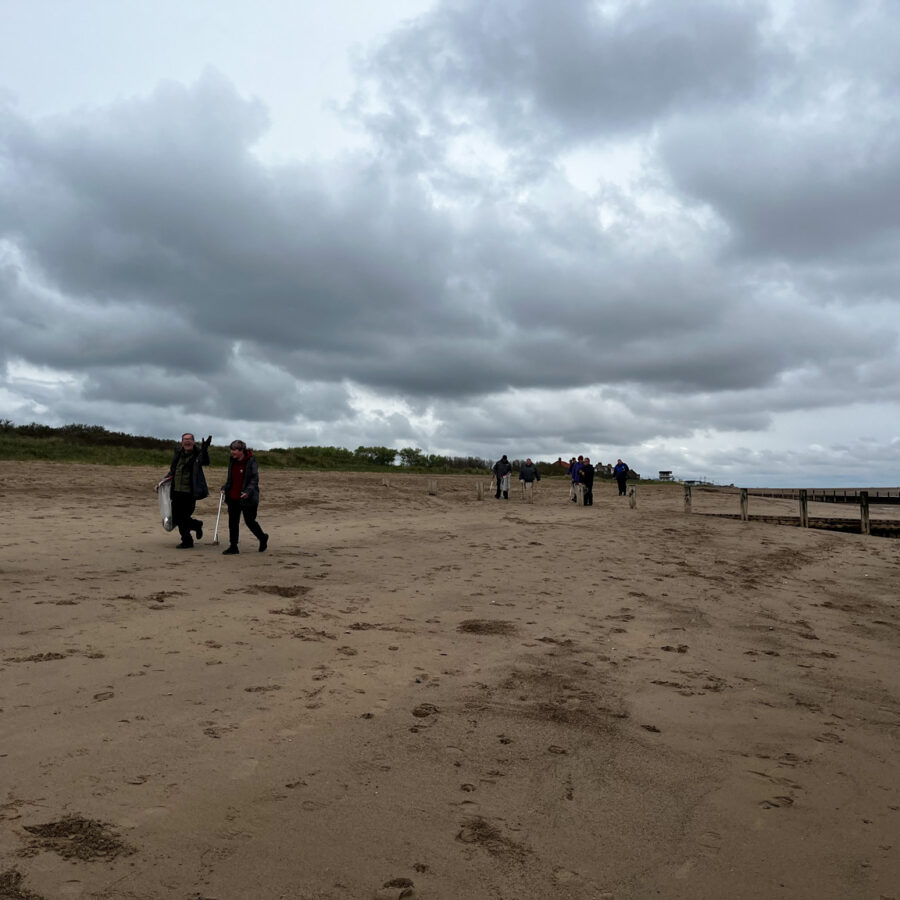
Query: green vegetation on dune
(93,444)
(54,449)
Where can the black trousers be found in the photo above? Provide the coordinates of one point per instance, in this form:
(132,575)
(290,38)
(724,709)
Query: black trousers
(621,483)
(588,494)
(234,520)
(183,506)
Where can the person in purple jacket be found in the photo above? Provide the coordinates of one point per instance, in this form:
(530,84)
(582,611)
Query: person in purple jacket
(574,469)
(621,475)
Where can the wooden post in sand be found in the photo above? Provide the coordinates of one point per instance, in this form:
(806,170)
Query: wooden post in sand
(632,497)
(745,503)
(479,490)
(687,498)
(865,526)
(432,486)
(804,510)
(579,495)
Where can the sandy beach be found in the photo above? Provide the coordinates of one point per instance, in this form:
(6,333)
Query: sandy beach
(440,697)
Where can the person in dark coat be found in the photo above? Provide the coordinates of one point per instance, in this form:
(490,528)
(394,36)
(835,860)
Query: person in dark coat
(528,475)
(621,474)
(586,480)
(501,470)
(188,486)
(528,472)
(241,490)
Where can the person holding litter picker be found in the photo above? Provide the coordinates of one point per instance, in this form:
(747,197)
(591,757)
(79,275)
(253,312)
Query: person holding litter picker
(188,486)
(241,492)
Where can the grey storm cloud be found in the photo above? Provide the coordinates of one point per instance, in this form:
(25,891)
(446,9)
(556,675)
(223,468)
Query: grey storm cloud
(747,271)
(570,70)
(793,190)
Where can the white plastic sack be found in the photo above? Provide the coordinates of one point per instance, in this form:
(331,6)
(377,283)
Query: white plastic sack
(164,492)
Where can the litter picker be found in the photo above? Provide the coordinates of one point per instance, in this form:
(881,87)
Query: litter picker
(218,514)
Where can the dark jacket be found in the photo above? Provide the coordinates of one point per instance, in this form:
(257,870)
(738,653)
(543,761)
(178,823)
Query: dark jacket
(586,475)
(529,473)
(198,458)
(502,467)
(250,484)
(621,471)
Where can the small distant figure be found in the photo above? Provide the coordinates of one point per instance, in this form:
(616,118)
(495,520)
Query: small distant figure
(501,471)
(528,475)
(188,486)
(586,478)
(241,490)
(572,472)
(621,475)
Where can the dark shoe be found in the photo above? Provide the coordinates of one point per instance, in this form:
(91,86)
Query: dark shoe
(263,543)
(184,545)
(200,532)
(231,550)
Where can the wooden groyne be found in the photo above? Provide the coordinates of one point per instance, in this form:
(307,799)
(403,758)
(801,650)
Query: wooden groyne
(861,497)
(879,496)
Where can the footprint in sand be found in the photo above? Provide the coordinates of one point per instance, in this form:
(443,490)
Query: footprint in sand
(777,803)
(776,779)
(710,843)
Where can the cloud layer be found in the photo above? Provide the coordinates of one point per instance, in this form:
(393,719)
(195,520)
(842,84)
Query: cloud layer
(624,228)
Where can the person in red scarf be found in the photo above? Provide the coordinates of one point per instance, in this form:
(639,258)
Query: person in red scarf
(241,492)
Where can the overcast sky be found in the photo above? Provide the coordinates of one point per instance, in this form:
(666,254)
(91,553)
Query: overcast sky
(656,230)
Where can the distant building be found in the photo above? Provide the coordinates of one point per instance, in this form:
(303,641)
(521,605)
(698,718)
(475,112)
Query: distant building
(665,475)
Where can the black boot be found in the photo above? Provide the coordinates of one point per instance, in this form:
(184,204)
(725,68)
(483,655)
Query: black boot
(263,543)
(232,549)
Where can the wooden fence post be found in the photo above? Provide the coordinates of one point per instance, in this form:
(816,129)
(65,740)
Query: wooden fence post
(865,525)
(745,504)
(687,498)
(632,497)
(804,510)
(432,486)
(579,495)
(479,490)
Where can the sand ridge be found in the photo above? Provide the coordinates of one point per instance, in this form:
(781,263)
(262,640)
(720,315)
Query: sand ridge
(439,695)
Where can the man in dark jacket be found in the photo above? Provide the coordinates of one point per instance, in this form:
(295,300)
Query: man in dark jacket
(501,471)
(528,475)
(241,490)
(621,474)
(586,479)
(188,486)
